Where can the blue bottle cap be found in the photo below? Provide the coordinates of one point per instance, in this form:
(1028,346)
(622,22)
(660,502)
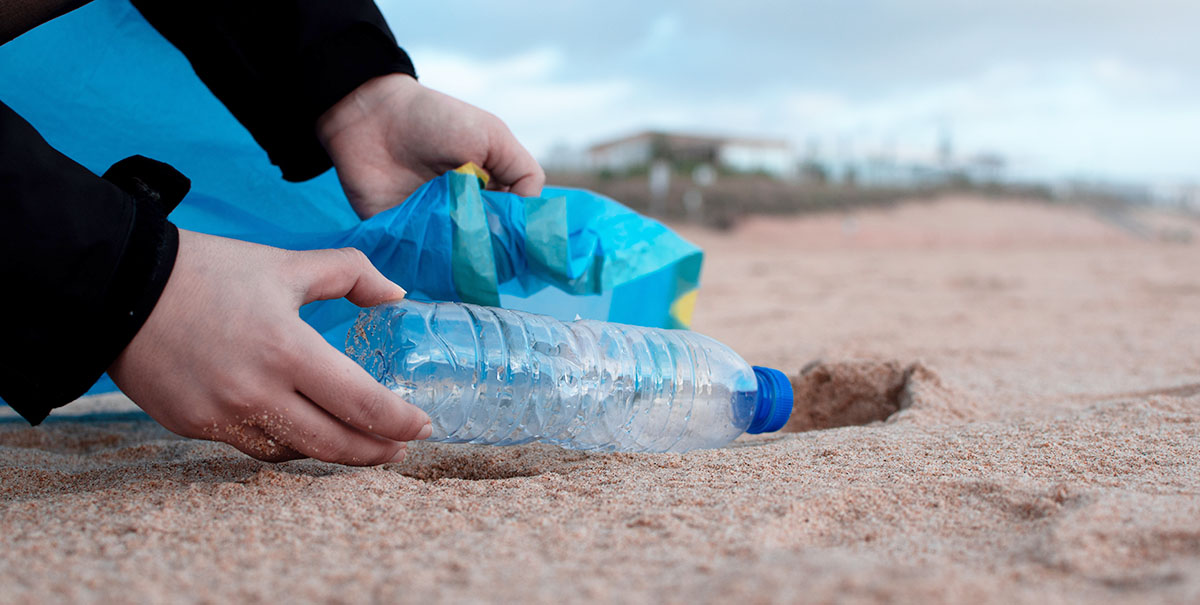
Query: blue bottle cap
(774,404)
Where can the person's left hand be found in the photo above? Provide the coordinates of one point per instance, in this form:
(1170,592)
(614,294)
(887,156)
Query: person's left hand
(392,134)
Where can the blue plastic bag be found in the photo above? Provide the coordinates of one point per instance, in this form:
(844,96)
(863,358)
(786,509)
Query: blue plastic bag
(100,85)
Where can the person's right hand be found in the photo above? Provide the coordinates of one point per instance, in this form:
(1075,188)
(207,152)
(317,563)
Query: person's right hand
(392,134)
(225,356)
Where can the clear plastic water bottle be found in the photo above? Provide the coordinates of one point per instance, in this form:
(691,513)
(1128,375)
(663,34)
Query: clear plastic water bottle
(488,375)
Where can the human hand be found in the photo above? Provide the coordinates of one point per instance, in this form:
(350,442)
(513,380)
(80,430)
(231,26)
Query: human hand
(392,134)
(225,356)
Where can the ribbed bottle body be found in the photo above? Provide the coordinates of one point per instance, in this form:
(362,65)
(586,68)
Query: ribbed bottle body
(495,376)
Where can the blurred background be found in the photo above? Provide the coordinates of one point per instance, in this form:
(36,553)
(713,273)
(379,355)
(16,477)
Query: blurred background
(711,110)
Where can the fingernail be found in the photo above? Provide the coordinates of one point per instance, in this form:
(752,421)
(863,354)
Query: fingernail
(426,431)
(397,296)
(399,457)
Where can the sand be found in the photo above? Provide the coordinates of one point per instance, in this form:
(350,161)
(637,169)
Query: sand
(997,402)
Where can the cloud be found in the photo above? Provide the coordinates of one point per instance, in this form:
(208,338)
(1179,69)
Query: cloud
(1104,116)
(530,92)
(460,75)
(1068,87)
(664,32)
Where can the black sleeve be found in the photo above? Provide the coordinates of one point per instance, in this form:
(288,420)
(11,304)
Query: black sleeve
(82,263)
(279,64)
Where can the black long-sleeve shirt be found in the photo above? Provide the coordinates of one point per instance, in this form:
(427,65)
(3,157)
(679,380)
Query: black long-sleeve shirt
(83,260)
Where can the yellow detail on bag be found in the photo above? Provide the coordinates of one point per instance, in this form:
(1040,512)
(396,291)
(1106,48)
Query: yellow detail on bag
(471,168)
(683,307)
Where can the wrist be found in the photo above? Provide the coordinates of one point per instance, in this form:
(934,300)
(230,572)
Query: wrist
(364,103)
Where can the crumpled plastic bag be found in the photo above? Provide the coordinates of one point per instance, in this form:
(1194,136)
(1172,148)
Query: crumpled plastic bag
(100,85)
(569,253)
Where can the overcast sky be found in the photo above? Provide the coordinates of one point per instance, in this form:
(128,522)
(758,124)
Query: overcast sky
(1065,88)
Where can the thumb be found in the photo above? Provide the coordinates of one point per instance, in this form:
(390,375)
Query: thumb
(344,272)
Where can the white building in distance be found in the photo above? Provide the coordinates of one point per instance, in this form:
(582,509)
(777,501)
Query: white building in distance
(770,156)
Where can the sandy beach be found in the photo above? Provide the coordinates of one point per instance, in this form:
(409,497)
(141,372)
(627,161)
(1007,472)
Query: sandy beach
(997,402)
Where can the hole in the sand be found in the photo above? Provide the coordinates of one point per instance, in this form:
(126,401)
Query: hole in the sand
(433,461)
(466,470)
(845,393)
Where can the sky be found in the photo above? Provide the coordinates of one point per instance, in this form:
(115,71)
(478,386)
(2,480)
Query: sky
(1064,89)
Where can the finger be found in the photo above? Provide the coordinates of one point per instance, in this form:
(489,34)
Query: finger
(309,430)
(345,390)
(343,272)
(512,166)
(256,443)
(529,186)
